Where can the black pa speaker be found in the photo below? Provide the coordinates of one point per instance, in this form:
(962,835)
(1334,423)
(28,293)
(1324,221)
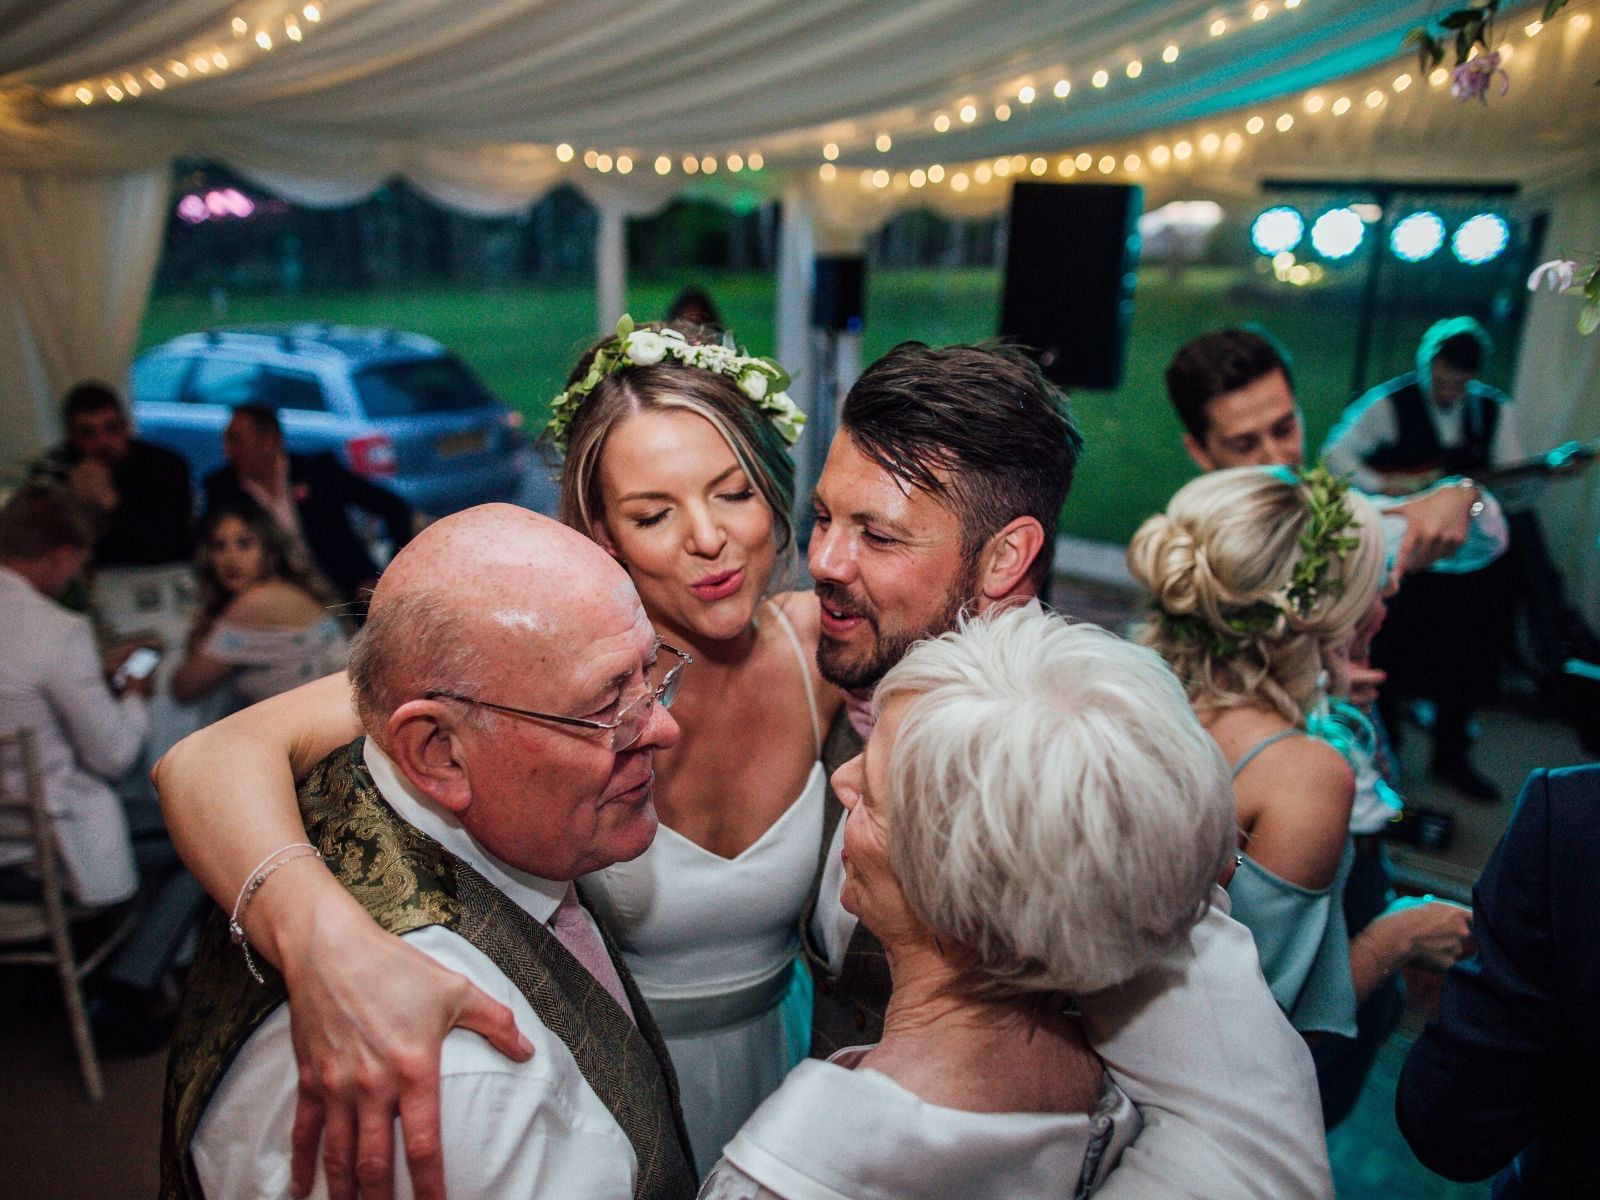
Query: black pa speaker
(1070,264)
(838,301)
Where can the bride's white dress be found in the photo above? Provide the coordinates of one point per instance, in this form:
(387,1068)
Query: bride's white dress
(712,944)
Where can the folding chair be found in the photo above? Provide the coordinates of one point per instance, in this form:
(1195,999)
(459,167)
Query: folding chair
(39,932)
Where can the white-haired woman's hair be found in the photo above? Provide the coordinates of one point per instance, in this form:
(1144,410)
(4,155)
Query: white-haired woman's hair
(1226,546)
(1053,804)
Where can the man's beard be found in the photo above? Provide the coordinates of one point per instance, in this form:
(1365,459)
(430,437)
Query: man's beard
(840,668)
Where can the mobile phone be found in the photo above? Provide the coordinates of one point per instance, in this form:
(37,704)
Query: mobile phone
(139,664)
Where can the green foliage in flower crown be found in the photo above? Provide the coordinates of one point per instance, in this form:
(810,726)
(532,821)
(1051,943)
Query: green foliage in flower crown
(762,380)
(1322,543)
(1194,630)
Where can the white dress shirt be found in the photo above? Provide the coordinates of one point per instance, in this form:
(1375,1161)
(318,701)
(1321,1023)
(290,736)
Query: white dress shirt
(51,682)
(509,1129)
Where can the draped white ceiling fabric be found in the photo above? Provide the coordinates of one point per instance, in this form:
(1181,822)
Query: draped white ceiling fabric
(485,105)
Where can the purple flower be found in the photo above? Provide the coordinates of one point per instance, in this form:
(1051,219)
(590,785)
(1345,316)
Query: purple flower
(1473,77)
(1558,273)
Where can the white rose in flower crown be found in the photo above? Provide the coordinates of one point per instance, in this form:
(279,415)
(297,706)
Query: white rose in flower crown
(645,348)
(753,383)
(785,416)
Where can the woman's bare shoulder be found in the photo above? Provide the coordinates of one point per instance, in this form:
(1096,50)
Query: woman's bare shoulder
(273,602)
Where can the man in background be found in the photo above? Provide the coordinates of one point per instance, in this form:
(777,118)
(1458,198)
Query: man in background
(310,496)
(1446,633)
(140,491)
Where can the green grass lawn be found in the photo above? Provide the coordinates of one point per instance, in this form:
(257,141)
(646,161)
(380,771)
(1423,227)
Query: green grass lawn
(523,338)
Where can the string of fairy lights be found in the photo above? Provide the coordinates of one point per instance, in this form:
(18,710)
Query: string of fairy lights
(235,44)
(1219,140)
(1012,98)
(256,31)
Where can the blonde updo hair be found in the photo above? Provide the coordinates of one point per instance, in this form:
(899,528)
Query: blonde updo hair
(754,440)
(1229,541)
(1052,804)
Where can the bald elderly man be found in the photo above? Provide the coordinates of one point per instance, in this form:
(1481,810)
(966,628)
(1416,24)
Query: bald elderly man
(464,836)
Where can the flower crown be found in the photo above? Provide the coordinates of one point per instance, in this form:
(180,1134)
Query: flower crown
(761,379)
(1322,543)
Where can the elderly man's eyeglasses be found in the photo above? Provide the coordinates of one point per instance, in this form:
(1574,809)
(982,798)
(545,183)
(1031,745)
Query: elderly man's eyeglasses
(632,717)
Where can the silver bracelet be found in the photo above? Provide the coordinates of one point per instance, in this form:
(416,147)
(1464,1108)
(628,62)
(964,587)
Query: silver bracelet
(252,885)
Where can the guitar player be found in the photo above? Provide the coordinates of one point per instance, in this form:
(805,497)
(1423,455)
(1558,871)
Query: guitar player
(1445,633)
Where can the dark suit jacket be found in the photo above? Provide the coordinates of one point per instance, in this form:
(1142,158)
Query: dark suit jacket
(324,492)
(1510,1067)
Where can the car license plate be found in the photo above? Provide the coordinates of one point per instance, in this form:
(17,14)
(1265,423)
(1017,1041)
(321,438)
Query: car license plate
(458,444)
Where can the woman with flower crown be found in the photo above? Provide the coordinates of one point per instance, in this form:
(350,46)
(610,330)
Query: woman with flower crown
(676,462)
(1260,579)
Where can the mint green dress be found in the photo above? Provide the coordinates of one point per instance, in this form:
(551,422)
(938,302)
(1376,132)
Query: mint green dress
(1300,934)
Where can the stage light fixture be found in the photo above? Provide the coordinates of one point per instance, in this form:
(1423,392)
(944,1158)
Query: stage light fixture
(1480,239)
(1337,233)
(1417,236)
(1277,230)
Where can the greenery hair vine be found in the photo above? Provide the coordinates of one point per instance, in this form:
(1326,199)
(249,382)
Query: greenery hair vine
(1323,542)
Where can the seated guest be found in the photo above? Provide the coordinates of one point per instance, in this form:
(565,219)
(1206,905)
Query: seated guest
(53,682)
(1261,579)
(141,491)
(1503,1078)
(141,583)
(1037,817)
(264,624)
(463,831)
(310,496)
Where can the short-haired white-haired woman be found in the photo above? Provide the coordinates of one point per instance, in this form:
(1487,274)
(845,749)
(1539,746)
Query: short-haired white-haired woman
(1037,815)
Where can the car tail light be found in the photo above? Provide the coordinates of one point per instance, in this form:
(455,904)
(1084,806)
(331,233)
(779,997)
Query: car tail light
(370,454)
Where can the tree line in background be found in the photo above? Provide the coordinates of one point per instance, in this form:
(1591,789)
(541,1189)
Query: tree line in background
(398,236)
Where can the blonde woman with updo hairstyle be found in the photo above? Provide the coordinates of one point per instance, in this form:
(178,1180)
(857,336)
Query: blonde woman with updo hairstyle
(1259,580)
(677,464)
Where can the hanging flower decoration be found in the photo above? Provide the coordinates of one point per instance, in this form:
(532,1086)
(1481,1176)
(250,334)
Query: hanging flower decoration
(1561,275)
(1470,30)
(1473,77)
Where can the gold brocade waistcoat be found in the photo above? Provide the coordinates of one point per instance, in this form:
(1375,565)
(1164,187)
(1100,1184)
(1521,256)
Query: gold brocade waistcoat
(407,881)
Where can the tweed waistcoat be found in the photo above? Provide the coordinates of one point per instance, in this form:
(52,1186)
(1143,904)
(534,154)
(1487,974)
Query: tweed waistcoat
(847,1010)
(407,881)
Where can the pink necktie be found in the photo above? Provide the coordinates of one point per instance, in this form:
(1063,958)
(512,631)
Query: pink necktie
(573,930)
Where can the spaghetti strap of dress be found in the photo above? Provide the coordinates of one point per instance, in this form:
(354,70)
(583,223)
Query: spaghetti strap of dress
(1263,744)
(805,673)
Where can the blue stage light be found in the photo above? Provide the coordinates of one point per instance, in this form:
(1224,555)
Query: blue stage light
(1277,230)
(1480,239)
(1417,237)
(1337,233)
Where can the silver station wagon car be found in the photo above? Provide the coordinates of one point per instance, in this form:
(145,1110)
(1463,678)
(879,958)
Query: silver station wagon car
(397,408)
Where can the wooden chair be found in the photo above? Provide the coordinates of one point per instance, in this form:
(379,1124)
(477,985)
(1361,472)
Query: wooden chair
(39,932)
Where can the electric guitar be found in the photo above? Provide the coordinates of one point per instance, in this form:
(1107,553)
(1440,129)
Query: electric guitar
(1564,459)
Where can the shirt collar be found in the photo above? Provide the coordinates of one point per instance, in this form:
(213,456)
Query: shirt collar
(536,896)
